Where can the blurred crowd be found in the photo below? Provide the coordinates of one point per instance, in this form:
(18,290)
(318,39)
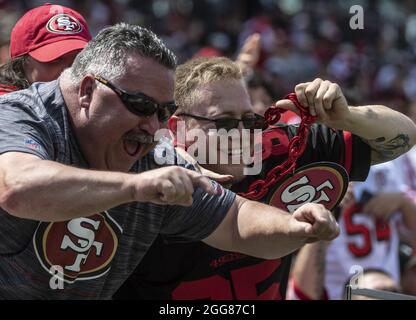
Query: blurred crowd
(300,40)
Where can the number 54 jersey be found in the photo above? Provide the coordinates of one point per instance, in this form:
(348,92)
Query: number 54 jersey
(366,241)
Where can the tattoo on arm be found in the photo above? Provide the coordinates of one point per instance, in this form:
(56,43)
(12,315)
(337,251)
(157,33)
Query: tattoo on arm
(371,114)
(383,150)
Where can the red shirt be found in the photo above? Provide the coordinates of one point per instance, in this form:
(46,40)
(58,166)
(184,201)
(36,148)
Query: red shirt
(6,89)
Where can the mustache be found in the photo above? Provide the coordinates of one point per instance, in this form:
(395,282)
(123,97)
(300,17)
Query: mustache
(140,136)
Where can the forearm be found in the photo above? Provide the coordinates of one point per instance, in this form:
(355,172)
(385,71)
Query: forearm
(263,231)
(389,133)
(267,232)
(309,269)
(408,210)
(49,191)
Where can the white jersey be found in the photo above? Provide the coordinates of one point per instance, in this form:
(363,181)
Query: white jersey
(406,169)
(365,241)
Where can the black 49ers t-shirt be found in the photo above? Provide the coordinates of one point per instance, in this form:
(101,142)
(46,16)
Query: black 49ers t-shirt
(187,271)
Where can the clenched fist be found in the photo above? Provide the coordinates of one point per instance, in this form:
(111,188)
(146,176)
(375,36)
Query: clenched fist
(169,186)
(313,222)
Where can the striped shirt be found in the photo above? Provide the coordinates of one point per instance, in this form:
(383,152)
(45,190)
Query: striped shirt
(90,257)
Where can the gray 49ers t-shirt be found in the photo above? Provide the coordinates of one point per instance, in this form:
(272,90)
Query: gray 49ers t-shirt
(90,257)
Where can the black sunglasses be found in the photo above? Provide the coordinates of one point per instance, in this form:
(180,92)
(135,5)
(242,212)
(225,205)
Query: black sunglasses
(141,104)
(251,122)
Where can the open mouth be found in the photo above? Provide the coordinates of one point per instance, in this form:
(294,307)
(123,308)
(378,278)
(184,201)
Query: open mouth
(132,147)
(134,142)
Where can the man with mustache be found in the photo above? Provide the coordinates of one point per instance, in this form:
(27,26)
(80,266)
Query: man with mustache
(82,193)
(211,94)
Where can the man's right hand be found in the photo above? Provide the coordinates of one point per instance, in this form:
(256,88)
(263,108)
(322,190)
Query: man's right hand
(169,186)
(313,222)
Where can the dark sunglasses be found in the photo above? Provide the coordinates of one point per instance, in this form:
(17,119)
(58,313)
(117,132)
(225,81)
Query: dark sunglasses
(251,122)
(141,104)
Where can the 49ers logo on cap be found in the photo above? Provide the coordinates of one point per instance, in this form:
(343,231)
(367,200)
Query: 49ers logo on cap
(322,182)
(83,247)
(64,23)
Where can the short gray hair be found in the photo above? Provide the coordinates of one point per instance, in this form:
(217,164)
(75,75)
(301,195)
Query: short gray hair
(106,55)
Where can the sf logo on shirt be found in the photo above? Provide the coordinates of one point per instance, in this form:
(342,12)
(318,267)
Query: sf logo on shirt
(322,182)
(83,247)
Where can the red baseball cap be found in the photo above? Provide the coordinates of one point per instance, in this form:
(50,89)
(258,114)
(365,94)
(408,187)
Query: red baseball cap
(48,32)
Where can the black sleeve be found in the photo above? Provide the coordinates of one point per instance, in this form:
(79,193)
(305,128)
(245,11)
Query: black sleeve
(194,223)
(341,147)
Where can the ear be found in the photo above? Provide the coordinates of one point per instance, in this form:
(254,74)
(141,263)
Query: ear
(86,89)
(172,124)
(179,138)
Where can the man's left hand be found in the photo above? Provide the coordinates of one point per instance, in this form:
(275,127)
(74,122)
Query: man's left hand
(324,100)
